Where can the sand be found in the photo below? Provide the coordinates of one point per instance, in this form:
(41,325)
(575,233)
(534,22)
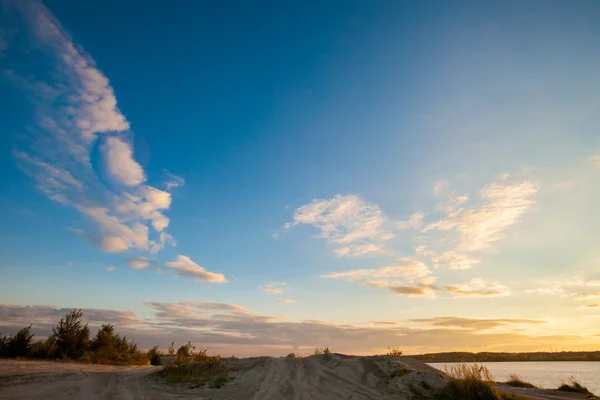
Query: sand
(318,377)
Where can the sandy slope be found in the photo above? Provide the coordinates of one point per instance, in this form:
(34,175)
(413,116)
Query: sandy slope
(318,377)
(329,377)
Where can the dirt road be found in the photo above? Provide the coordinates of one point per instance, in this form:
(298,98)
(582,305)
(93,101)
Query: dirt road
(334,377)
(20,380)
(262,378)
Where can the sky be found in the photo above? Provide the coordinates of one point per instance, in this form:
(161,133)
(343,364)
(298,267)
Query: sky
(267,177)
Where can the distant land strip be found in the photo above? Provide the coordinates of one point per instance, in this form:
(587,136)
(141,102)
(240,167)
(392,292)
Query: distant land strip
(498,357)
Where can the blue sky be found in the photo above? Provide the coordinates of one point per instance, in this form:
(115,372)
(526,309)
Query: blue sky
(422,174)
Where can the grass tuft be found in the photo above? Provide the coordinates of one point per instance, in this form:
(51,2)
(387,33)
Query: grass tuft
(471,382)
(573,386)
(516,381)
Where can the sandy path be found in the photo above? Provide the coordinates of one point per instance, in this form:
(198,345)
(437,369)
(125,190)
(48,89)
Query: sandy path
(334,377)
(542,394)
(35,380)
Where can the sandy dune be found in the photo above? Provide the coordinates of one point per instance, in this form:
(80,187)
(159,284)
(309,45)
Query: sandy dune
(317,377)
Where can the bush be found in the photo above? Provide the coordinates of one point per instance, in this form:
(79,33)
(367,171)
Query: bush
(394,352)
(72,338)
(108,347)
(155,356)
(471,382)
(573,386)
(18,345)
(320,351)
(293,355)
(516,381)
(43,349)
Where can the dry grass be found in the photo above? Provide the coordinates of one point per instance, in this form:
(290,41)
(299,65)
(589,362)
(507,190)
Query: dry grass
(471,382)
(516,381)
(394,352)
(574,387)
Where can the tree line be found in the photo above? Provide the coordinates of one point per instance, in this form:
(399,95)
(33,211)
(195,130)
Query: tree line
(70,340)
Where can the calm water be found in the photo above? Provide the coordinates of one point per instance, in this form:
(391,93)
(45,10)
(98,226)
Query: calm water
(547,374)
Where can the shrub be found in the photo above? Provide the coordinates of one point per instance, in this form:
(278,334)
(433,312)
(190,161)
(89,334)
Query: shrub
(394,352)
(108,347)
(293,355)
(18,345)
(516,381)
(573,386)
(471,382)
(320,351)
(72,338)
(43,349)
(155,356)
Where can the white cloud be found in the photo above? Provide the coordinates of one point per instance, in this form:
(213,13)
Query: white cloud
(448,259)
(595,160)
(415,221)
(112,244)
(140,263)
(478,227)
(286,301)
(440,187)
(120,163)
(111,269)
(409,277)
(477,287)
(173,181)
(75,108)
(274,287)
(187,268)
(355,227)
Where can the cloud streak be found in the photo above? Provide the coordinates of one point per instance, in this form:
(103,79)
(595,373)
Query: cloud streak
(409,277)
(353,226)
(75,108)
(477,287)
(185,267)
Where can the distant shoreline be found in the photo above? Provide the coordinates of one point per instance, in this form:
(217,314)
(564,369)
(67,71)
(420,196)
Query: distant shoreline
(453,357)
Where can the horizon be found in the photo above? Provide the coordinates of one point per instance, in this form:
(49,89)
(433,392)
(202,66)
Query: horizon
(271,178)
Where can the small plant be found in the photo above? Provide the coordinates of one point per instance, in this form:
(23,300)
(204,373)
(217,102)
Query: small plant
(516,381)
(400,371)
(155,356)
(394,352)
(320,351)
(471,382)
(573,386)
(293,355)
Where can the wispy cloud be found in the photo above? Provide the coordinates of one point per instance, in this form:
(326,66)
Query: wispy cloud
(185,267)
(353,226)
(477,324)
(173,181)
(286,301)
(415,221)
(140,263)
(502,205)
(408,278)
(111,269)
(595,160)
(76,108)
(477,287)
(274,287)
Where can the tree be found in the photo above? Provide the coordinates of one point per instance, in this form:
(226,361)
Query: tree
(72,338)
(18,345)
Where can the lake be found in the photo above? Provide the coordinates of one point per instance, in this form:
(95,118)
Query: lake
(546,374)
